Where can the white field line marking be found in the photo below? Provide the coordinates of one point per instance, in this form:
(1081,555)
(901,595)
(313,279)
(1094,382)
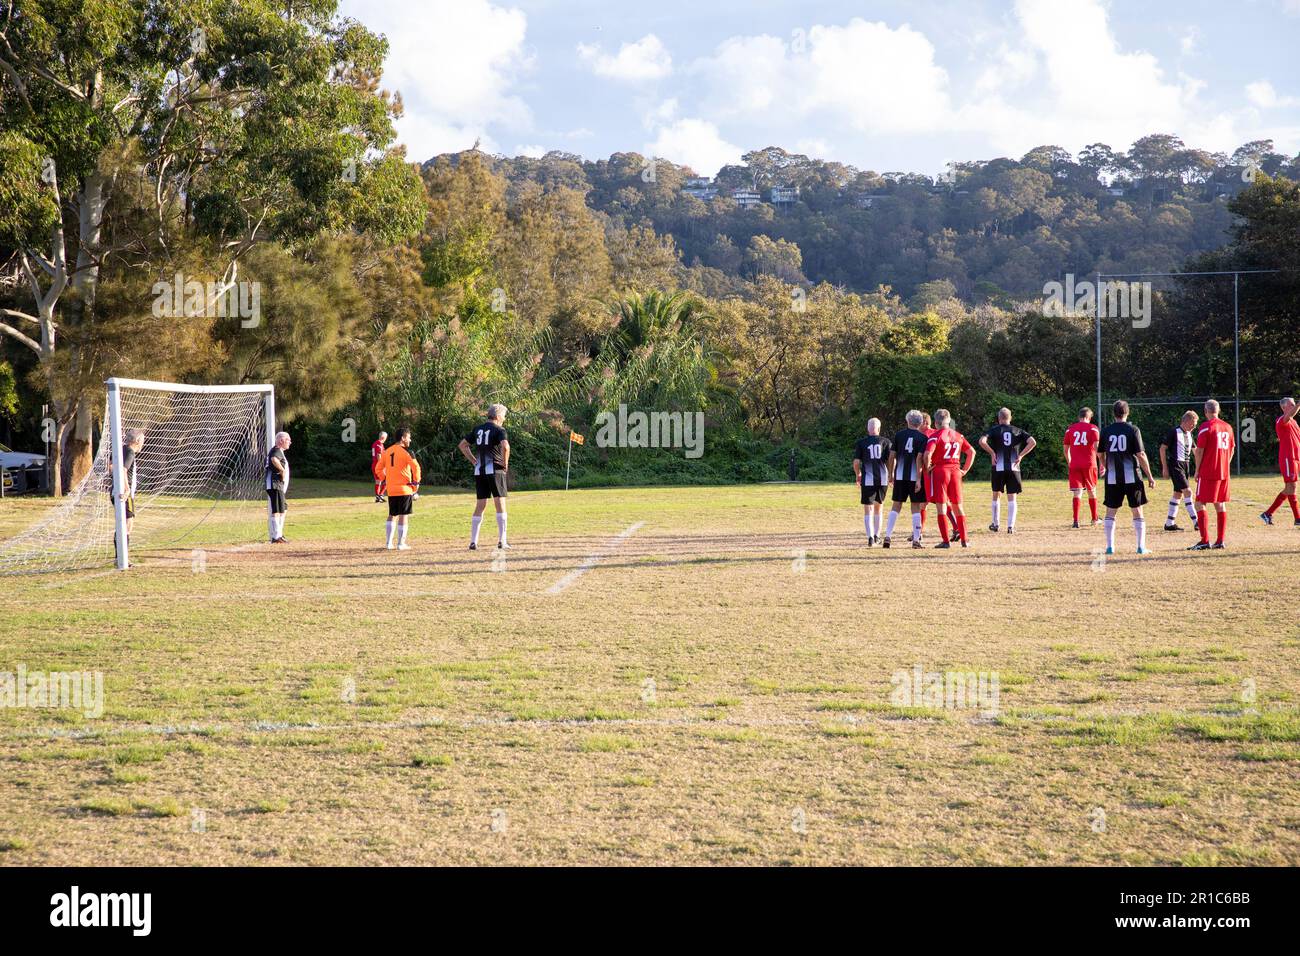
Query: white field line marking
(594,559)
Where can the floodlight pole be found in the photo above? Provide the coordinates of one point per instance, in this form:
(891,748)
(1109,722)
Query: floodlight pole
(115,465)
(1236,361)
(1097,303)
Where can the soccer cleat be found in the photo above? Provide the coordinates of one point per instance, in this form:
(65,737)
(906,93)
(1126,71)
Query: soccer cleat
(1143,551)
(917,545)
(379,499)
(965,544)
(1011,529)
(944,544)
(956,536)
(403,547)
(502,546)
(993,527)
(473,546)
(1200,546)
(1110,550)
(1297,524)
(1217,546)
(1265,517)
(1075,525)
(884,543)
(1095,522)
(871,542)
(1173,527)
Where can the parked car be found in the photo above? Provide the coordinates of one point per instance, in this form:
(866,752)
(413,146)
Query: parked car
(21,471)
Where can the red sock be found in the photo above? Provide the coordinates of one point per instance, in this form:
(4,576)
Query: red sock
(923,517)
(1076,510)
(1092,503)
(1223,524)
(1277,503)
(1295,509)
(961,527)
(943,526)
(1203,526)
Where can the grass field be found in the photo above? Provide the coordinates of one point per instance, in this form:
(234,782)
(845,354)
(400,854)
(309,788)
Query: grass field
(714,687)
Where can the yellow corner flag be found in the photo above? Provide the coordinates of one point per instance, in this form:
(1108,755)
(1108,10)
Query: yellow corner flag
(576,438)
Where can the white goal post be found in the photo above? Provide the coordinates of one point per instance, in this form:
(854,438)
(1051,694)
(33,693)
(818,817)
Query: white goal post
(116,433)
(201,458)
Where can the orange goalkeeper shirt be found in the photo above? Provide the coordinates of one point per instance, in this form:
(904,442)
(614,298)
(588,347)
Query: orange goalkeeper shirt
(401,471)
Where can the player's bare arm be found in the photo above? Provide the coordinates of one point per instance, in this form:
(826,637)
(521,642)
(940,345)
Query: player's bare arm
(984,443)
(505,455)
(1029,446)
(1146,468)
(970,454)
(857,470)
(1164,461)
(464,450)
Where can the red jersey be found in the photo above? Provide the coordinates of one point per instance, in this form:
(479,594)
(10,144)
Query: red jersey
(1217,444)
(1288,440)
(949,446)
(376,449)
(1082,438)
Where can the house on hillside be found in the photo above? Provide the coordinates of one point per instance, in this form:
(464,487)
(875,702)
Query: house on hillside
(779,195)
(867,200)
(701,187)
(746,198)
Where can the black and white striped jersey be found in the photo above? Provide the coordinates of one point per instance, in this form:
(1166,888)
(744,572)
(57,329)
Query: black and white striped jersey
(1180,445)
(873,452)
(1006,442)
(1122,443)
(489,456)
(909,446)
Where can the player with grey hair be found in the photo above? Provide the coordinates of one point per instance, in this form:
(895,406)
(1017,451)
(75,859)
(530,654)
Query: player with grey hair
(871,474)
(488,450)
(277,487)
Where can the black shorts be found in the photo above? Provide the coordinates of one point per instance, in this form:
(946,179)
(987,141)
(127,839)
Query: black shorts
(400,505)
(872,494)
(1135,494)
(907,491)
(1178,475)
(490,486)
(1008,481)
(275,497)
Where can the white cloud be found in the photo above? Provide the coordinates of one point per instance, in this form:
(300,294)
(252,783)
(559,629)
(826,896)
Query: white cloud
(536,152)
(1187,43)
(695,143)
(1262,94)
(455,63)
(646,59)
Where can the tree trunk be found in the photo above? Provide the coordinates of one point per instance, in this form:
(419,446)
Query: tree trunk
(78,451)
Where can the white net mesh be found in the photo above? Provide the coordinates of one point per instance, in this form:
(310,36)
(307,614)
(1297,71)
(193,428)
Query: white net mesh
(202,463)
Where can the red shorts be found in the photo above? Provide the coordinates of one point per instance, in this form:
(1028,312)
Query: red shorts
(1212,491)
(1083,476)
(1289,468)
(945,486)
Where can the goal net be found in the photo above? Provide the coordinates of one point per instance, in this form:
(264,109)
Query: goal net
(199,466)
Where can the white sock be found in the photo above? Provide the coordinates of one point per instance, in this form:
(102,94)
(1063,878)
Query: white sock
(1012,507)
(1173,511)
(501,527)
(279,526)
(474,523)
(893,519)
(866,522)
(1140,529)
(270,526)
(916,526)
(875,525)
(388,531)
(401,534)
(997,510)
(1191,508)
(1110,532)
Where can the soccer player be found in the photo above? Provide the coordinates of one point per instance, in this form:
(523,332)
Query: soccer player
(132,442)
(402,479)
(906,467)
(491,460)
(1181,439)
(1288,459)
(871,468)
(277,486)
(1007,445)
(377,465)
(1122,461)
(1215,444)
(944,465)
(927,426)
(1080,444)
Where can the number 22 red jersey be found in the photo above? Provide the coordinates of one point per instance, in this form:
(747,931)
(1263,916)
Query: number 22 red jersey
(949,447)
(1217,444)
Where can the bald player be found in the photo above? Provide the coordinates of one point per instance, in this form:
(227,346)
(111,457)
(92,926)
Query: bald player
(1288,460)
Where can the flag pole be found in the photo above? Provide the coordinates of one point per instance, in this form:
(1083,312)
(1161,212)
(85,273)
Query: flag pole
(569,462)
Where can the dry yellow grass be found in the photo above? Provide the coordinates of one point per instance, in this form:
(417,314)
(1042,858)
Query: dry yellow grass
(714,689)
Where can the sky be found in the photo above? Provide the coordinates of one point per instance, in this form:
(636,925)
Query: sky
(885,86)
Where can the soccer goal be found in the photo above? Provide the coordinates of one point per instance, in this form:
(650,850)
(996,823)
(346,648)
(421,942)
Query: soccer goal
(177,457)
